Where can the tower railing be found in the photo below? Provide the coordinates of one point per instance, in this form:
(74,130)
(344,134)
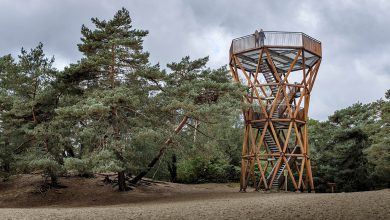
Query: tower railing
(277,39)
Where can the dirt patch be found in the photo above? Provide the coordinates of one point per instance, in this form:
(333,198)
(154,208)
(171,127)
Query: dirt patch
(22,191)
(91,199)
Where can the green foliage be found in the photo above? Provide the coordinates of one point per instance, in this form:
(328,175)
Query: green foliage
(35,160)
(106,94)
(351,149)
(199,167)
(28,102)
(378,154)
(83,167)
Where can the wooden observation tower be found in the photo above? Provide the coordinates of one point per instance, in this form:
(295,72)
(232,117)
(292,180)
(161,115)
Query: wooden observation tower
(279,69)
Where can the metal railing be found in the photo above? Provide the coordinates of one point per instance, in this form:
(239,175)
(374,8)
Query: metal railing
(275,39)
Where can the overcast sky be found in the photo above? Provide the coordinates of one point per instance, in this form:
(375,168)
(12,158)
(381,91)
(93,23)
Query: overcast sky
(355,35)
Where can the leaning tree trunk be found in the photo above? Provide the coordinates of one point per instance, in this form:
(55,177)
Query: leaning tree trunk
(160,153)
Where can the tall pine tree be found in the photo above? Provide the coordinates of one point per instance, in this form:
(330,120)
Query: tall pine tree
(112,94)
(28,103)
(191,94)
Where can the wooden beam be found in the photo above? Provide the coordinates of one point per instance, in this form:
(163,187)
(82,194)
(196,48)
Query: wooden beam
(274,71)
(256,92)
(290,173)
(292,66)
(301,173)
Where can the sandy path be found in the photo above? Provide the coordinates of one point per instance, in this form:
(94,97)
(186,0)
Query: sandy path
(253,205)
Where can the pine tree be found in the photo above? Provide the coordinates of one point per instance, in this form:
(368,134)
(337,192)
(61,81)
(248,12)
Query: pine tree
(192,93)
(112,94)
(7,69)
(28,103)
(351,148)
(378,154)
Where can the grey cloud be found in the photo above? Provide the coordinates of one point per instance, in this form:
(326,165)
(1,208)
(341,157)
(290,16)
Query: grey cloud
(355,35)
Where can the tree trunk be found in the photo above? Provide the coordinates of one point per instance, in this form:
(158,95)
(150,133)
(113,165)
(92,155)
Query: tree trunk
(6,167)
(122,181)
(196,129)
(53,180)
(173,169)
(114,113)
(160,153)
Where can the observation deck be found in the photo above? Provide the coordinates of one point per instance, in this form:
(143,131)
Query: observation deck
(283,47)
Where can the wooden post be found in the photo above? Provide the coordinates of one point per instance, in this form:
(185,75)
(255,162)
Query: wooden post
(285,179)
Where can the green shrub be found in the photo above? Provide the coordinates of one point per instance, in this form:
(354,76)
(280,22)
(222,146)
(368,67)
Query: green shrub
(83,167)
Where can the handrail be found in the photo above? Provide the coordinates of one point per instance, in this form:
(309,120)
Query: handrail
(289,32)
(276,39)
(312,38)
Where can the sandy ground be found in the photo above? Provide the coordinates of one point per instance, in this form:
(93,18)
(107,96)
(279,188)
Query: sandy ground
(177,201)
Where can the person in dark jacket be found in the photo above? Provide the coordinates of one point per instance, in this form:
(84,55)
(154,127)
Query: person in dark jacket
(262,37)
(257,38)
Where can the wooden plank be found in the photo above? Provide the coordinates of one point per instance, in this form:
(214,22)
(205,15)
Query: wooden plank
(297,107)
(272,65)
(253,147)
(275,102)
(243,160)
(261,137)
(294,155)
(258,63)
(287,102)
(298,135)
(255,153)
(287,137)
(277,84)
(300,180)
(265,180)
(315,75)
(235,70)
(304,69)
(262,173)
(310,174)
(269,155)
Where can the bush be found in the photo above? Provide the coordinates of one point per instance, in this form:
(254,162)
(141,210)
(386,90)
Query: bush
(207,162)
(83,167)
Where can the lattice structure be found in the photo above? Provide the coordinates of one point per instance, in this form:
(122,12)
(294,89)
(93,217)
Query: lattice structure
(276,113)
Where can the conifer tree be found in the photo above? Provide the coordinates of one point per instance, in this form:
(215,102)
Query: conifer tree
(28,104)
(112,94)
(192,93)
(7,69)
(378,154)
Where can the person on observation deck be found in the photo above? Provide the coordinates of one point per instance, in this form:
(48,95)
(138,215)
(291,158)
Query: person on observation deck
(262,37)
(257,38)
